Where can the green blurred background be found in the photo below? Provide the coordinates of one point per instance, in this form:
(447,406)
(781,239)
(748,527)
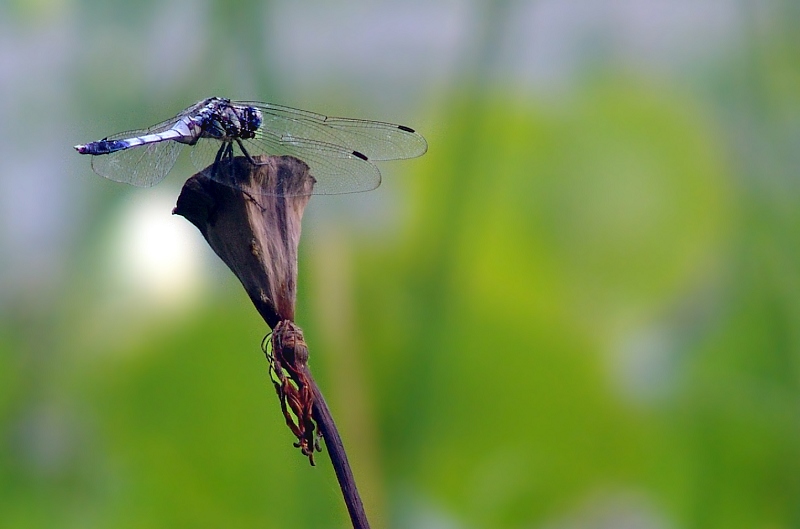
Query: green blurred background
(580,309)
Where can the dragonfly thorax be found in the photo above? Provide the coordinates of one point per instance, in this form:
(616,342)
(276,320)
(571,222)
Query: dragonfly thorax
(222,120)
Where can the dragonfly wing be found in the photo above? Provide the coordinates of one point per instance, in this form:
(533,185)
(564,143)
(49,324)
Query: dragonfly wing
(336,170)
(144,165)
(203,154)
(153,129)
(375,139)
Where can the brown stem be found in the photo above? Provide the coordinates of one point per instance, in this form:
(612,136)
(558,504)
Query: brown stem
(339,459)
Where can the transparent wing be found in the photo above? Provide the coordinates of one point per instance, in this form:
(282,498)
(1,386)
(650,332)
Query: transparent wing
(336,170)
(203,155)
(143,166)
(375,139)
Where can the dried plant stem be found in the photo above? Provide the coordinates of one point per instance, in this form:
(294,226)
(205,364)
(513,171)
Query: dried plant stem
(255,230)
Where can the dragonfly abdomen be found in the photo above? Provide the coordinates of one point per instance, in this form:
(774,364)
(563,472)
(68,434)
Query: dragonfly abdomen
(184,131)
(102,147)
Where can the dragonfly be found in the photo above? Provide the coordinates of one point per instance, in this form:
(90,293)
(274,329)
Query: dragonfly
(340,152)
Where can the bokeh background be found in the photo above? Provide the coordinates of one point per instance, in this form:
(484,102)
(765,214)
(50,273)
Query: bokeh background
(580,309)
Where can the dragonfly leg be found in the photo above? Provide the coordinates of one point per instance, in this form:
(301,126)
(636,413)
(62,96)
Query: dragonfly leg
(244,151)
(225,153)
(217,159)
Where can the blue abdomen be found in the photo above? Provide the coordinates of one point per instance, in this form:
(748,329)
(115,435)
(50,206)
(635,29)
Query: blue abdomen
(106,146)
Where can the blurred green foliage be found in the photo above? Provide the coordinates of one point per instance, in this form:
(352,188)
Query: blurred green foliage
(589,316)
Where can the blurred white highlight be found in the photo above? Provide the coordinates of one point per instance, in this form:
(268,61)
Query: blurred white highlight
(158,256)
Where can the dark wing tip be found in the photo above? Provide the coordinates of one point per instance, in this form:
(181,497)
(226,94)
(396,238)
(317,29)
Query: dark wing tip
(406,129)
(360,155)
